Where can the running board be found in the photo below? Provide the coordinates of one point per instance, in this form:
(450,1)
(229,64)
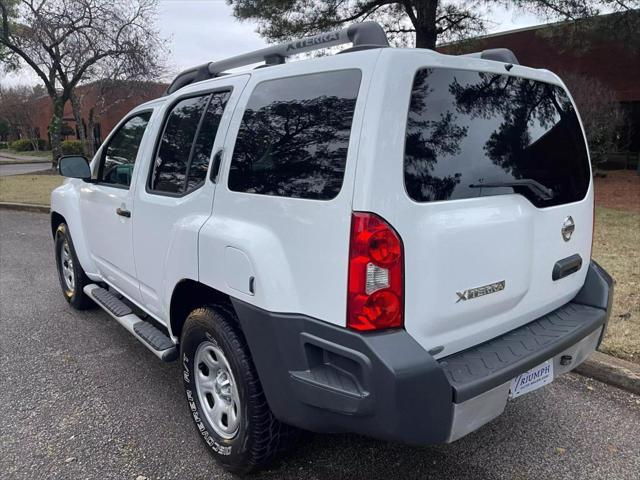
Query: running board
(150,336)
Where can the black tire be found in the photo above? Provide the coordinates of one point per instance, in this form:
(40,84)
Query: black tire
(260,435)
(74,294)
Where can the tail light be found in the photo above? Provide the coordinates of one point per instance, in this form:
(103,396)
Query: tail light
(375,291)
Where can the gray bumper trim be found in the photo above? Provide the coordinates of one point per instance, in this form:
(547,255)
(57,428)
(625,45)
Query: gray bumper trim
(477,411)
(485,366)
(326,378)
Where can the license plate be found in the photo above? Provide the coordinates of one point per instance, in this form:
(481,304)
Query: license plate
(532,379)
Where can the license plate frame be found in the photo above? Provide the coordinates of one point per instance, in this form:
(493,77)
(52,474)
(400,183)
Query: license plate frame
(533,379)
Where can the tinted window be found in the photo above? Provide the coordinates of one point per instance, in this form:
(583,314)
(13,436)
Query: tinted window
(170,166)
(469,130)
(182,157)
(120,153)
(294,136)
(204,141)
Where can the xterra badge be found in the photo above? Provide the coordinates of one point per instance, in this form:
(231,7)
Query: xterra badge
(480,291)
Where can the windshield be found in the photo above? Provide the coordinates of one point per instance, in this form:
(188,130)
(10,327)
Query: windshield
(472,134)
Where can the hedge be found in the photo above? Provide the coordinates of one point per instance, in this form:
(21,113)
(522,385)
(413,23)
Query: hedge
(22,145)
(4,145)
(43,144)
(72,147)
(26,145)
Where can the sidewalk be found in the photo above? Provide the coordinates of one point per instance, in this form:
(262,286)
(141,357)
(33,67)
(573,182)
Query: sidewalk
(7,158)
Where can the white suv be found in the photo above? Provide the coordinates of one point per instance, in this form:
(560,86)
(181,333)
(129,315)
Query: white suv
(386,241)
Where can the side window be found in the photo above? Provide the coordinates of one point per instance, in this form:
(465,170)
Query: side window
(120,153)
(294,136)
(204,141)
(183,153)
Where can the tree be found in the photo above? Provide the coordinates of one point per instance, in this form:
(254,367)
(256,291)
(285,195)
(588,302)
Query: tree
(426,20)
(68,42)
(586,24)
(602,116)
(19,112)
(7,59)
(5,128)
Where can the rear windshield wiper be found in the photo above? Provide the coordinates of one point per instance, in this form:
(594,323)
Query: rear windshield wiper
(536,188)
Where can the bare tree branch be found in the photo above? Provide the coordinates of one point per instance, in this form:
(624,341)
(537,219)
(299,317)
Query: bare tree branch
(70,42)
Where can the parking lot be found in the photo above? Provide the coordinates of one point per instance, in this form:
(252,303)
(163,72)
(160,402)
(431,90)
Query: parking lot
(81,398)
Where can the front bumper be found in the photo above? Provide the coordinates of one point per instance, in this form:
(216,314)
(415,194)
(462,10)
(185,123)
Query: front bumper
(329,379)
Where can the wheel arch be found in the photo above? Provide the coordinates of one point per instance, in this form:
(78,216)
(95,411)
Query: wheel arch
(56,220)
(188,295)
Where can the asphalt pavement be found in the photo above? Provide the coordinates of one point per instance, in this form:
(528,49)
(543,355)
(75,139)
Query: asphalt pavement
(19,168)
(81,398)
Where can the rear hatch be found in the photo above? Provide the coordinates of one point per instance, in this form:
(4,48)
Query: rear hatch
(497,174)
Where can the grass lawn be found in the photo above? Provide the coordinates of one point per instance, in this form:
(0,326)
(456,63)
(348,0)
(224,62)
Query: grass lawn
(616,247)
(28,188)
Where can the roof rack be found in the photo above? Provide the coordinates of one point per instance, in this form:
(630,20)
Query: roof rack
(361,35)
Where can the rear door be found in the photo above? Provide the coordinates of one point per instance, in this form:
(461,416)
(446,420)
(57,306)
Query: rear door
(487,174)
(175,191)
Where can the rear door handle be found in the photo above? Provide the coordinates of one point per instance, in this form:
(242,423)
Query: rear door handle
(566,267)
(123,213)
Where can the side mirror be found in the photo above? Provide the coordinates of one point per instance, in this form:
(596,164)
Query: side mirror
(74,166)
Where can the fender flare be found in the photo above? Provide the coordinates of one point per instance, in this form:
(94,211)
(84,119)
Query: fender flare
(65,204)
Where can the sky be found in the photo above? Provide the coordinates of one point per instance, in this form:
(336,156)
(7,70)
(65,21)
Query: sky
(199,31)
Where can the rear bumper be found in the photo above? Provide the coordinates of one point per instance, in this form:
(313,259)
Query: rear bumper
(328,379)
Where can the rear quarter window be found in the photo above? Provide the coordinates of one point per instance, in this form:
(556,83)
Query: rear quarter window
(294,136)
(468,130)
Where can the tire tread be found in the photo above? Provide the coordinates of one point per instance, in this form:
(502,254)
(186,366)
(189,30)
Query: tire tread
(266,436)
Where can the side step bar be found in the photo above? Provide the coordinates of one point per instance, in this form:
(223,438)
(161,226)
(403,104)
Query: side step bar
(151,337)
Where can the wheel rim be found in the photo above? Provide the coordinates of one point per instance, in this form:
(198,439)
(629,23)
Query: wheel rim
(217,390)
(66,266)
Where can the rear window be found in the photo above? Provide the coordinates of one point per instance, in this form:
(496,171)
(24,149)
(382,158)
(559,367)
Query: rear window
(294,136)
(472,134)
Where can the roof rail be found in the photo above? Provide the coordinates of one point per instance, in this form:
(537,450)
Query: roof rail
(496,54)
(361,35)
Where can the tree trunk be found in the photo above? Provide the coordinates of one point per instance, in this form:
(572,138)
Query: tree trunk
(77,116)
(425,24)
(92,137)
(33,139)
(55,129)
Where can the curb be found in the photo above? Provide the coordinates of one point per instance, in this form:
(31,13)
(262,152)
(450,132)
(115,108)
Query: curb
(612,371)
(25,207)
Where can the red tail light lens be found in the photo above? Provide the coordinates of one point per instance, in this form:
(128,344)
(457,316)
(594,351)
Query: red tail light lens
(376,262)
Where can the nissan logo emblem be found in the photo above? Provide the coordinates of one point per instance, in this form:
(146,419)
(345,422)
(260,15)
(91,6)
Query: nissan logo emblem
(568,226)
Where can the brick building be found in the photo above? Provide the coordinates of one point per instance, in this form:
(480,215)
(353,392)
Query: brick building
(103,104)
(600,55)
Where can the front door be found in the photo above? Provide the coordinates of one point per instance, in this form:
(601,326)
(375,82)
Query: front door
(177,196)
(107,206)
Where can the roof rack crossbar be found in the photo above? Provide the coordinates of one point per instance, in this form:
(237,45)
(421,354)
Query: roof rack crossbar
(365,34)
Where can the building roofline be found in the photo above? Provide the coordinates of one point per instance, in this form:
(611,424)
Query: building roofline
(524,29)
